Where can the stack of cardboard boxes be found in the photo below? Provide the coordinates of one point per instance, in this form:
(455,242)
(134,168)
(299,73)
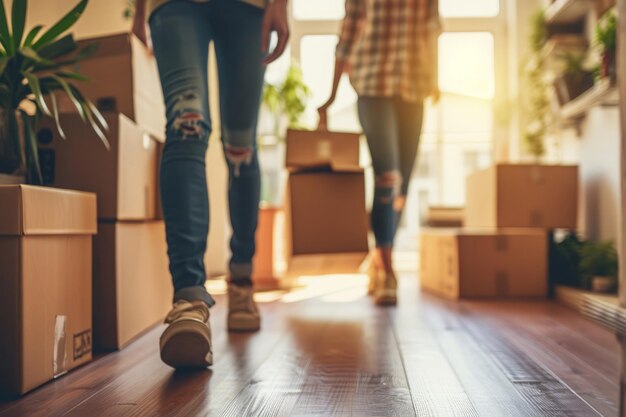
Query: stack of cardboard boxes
(326,218)
(131,284)
(502,251)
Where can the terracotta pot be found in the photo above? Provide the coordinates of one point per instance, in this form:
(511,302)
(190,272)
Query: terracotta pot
(602,284)
(609,67)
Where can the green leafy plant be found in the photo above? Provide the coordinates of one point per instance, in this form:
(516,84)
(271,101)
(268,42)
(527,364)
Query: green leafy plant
(34,67)
(565,260)
(606,41)
(606,32)
(598,259)
(288,99)
(538,103)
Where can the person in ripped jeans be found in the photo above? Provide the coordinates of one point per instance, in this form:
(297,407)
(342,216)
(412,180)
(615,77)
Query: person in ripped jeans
(181,31)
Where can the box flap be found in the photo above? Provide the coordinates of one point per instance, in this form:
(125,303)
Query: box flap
(314,148)
(30,210)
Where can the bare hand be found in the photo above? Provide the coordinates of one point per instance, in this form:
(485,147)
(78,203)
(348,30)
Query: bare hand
(275,20)
(140,29)
(435,95)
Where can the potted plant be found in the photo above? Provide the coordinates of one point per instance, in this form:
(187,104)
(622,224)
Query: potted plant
(606,40)
(284,103)
(564,263)
(34,67)
(598,266)
(574,79)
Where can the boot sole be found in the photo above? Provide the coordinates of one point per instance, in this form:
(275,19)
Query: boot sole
(186,344)
(386,298)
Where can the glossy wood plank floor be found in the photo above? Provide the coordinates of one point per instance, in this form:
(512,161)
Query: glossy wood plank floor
(326,350)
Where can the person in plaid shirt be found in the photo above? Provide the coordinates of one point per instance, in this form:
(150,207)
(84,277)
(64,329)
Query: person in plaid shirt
(389,49)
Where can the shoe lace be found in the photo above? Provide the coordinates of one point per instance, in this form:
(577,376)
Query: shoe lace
(196,310)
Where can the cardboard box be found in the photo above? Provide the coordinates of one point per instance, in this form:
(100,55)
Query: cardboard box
(462,263)
(445,217)
(511,195)
(45,284)
(325,213)
(132,288)
(124,177)
(123,78)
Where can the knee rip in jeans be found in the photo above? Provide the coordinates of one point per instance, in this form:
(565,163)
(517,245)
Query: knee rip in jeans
(238,155)
(189,123)
(388,186)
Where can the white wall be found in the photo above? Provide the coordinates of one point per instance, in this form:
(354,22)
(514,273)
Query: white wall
(104,17)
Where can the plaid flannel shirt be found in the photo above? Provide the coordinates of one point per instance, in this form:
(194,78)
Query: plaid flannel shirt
(391,47)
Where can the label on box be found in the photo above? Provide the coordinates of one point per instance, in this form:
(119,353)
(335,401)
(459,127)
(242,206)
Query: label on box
(59,358)
(324,149)
(82,344)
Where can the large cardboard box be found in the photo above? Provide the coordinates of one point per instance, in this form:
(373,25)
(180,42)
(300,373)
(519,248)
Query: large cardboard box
(512,195)
(123,78)
(45,284)
(463,263)
(132,289)
(124,177)
(326,218)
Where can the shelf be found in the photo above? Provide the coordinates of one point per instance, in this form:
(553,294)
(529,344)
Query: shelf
(603,93)
(601,308)
(568,11)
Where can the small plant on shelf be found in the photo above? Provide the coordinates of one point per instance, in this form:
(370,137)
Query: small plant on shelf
(575,79)
(33,69)
(599,266)
(606,41)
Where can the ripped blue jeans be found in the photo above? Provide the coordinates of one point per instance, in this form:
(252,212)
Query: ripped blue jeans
(181,34)
(392,127)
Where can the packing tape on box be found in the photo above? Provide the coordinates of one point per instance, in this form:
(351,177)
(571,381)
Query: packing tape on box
(59,354)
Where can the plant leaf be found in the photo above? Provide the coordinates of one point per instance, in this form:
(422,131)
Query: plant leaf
(91,112)
(58,48)
(32,34)
(35,87)
(55,114)
(5,35)
(62,25)
(68,90)
(3,64)
(32,153)
(18,21)
(72,75)
(31,54)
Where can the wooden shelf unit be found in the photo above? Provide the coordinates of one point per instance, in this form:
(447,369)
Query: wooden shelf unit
(603,93)
(568,11)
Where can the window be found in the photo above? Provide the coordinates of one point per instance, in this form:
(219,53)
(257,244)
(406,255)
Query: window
(468,8)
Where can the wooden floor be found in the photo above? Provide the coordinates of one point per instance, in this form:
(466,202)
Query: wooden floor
(325,350)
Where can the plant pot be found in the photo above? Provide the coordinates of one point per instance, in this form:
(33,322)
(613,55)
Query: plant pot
(570,86)
(602,284)
(11,145)
(608,68)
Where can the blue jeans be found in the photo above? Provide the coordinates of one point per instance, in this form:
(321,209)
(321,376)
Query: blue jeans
(392,127)
(181,34)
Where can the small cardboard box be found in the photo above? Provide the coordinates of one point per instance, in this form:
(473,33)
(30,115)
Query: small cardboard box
(512,195)
(132,289)
(123,78)
(124,177)
(45,284)
(462,263)
(326,218)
